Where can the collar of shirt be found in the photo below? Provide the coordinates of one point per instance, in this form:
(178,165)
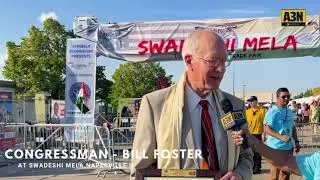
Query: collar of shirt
(193,99)
(255,110)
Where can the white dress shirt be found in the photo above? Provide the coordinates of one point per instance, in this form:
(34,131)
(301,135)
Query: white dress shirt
(195,114)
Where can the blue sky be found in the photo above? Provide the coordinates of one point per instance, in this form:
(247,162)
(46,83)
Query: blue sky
(297,74)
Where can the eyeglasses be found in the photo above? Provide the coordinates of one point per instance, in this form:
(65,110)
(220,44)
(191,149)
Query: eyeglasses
(285,96)
(215,61)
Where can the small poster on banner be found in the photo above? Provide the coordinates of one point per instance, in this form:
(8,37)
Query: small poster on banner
(57,111)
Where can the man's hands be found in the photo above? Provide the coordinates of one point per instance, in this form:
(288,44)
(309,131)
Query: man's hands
(237,137)
(231,176)
(264,137)
(287,139)
(284,138)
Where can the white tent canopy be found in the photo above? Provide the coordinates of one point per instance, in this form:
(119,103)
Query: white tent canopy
(305,100)
(267,105)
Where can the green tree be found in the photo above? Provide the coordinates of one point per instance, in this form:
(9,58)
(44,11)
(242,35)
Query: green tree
(316,91)
(133,80)
(298,96)
(37,63)
(307,93)
(103,85)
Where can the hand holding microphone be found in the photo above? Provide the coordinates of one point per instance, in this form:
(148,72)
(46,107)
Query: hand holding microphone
(233,120)
(237,137)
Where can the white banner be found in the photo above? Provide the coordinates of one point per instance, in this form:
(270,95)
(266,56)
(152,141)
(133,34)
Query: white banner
(245,39)
(81,69)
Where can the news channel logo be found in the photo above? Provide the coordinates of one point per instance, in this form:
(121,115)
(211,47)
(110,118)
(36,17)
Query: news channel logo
(293,17)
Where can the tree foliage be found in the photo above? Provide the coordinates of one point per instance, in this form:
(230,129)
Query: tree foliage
(308,93)
(37,63)
(103,85)
(316,91)
(133,80)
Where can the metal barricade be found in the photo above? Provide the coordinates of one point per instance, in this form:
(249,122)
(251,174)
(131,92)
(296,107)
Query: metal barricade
(120,149)
(124,122)
(50,136)
(117,141)
(309,137)
(57,137)
(10,137)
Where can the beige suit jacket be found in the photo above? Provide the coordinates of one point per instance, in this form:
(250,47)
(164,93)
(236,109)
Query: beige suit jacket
(147,132)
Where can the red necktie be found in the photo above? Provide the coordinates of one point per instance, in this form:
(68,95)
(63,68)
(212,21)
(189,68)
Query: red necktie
(209,151)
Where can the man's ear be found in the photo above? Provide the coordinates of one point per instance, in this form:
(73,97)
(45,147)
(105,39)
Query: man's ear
(187,59)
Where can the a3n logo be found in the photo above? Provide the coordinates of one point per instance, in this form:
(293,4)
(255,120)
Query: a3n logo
(293,17)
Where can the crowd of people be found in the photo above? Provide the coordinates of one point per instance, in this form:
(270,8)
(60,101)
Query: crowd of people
(276,128)
(307,112)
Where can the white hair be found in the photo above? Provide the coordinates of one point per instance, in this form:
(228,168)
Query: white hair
(189,45)
(192,43)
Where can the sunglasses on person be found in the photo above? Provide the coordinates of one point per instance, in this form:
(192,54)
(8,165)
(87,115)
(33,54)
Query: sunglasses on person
(285,97)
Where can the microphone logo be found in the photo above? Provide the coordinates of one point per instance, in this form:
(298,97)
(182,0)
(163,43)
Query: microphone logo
(238,115)
(227,121)
(233,119)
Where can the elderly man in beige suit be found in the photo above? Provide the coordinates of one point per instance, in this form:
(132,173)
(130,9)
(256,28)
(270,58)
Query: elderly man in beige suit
(173,118)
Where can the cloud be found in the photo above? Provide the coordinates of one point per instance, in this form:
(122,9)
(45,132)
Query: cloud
(3,57)
(48,15)
(1,68)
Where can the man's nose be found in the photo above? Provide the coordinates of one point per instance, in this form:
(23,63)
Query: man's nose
(219,69)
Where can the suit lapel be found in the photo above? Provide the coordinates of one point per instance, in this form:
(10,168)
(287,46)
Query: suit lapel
(223,143)
(188,133)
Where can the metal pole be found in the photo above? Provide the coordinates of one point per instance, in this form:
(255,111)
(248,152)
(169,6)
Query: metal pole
(233,80)
(24,110)
(244,92)
(24,122)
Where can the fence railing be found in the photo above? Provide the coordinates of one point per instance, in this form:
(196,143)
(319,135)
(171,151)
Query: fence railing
(54,137)
(124,122)
(309,137)
(114,140)
(121,145)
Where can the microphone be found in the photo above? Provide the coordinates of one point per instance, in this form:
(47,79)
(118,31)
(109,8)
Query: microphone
(233,120)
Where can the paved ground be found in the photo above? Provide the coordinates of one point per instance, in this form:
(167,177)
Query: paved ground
(12,172)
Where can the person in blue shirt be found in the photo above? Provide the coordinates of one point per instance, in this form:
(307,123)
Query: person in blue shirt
(306,165)
(280,130)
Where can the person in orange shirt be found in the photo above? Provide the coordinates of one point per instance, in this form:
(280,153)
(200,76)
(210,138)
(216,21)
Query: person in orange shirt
(255,116)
